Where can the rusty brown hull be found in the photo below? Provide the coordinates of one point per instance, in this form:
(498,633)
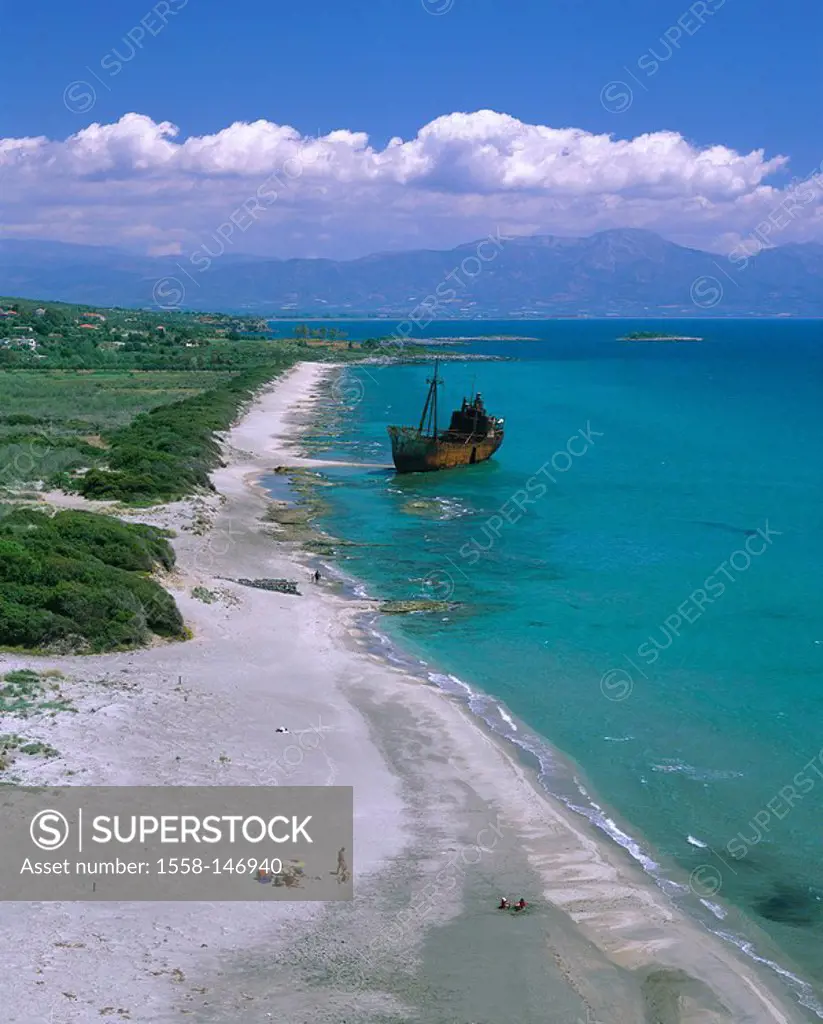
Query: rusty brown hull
(416,453)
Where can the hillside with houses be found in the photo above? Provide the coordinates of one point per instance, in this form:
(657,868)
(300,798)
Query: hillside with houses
(59,335)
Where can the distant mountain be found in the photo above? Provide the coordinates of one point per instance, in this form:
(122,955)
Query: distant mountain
(623,272)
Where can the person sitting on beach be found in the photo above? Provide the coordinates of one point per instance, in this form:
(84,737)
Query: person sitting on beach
(504,904)
(521,905)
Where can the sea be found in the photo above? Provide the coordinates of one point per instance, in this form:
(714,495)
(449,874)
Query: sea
(631,589)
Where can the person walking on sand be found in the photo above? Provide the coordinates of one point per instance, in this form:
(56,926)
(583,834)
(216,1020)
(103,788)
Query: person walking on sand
(316,575)
(342,868)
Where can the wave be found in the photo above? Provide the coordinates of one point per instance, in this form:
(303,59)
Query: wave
(698,774)
(803,989)
(507,718)
(697,842)
(558,778)
(453,509)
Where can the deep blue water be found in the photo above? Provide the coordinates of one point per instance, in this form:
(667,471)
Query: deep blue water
(638,577)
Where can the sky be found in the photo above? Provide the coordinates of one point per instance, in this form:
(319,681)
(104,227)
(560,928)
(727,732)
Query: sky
(337,128)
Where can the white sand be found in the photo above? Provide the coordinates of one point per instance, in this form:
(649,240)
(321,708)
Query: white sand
(428,782)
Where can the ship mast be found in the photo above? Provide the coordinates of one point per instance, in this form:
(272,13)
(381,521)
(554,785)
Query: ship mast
(429,415)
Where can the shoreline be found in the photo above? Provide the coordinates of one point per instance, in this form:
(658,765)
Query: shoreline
(422,940)
(561,781)
(577,801)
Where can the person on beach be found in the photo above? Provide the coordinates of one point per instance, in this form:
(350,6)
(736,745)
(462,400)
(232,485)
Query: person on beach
(342,868)
(316,576)
(503,904)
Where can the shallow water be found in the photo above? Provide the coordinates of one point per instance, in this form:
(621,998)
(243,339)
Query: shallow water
(637,577)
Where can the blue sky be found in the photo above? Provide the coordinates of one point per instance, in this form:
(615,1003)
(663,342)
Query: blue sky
(743,76)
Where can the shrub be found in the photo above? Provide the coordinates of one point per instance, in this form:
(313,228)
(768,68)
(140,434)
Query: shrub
(128,547)
(77,580)
(167,453)
(21,419)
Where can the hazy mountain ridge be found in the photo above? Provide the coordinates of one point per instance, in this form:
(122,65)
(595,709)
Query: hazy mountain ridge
(630,272)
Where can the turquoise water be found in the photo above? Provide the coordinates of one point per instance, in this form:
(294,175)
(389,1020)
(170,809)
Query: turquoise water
(637,578)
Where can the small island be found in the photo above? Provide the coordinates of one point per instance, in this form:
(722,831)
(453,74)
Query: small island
(656,336)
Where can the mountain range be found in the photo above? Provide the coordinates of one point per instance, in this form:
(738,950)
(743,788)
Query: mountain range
(625,272)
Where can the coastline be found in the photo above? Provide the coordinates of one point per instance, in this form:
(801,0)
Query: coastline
(447,819)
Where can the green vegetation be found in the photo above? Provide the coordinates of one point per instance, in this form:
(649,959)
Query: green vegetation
(12,744)
(24,693)
(56,335)
(31,746)
(118,405)
(94,400)
(655,336)
(52,422)
(60,336)
(168,453)
(123,404)
(319,333)
(204,594)
(78,582)
(641,335)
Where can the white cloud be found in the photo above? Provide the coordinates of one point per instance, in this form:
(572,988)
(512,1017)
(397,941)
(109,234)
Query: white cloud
(337,195)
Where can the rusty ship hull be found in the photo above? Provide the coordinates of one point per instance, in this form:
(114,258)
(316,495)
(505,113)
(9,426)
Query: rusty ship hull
(415,453)
(472,436)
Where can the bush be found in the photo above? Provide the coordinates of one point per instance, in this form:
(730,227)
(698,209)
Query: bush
(137,548)
(166,454)
(21,626)
(21,419)
(78,580)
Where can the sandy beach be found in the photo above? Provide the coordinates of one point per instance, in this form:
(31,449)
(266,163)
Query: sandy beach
(447,820)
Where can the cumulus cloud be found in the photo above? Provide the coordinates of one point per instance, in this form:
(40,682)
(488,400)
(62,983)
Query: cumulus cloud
(338,195)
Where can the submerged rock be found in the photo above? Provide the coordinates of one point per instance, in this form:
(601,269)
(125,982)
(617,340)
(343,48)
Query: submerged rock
(320,547)
(279,586)
(428,507)
(408,607)
(789,904)
(288,515)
